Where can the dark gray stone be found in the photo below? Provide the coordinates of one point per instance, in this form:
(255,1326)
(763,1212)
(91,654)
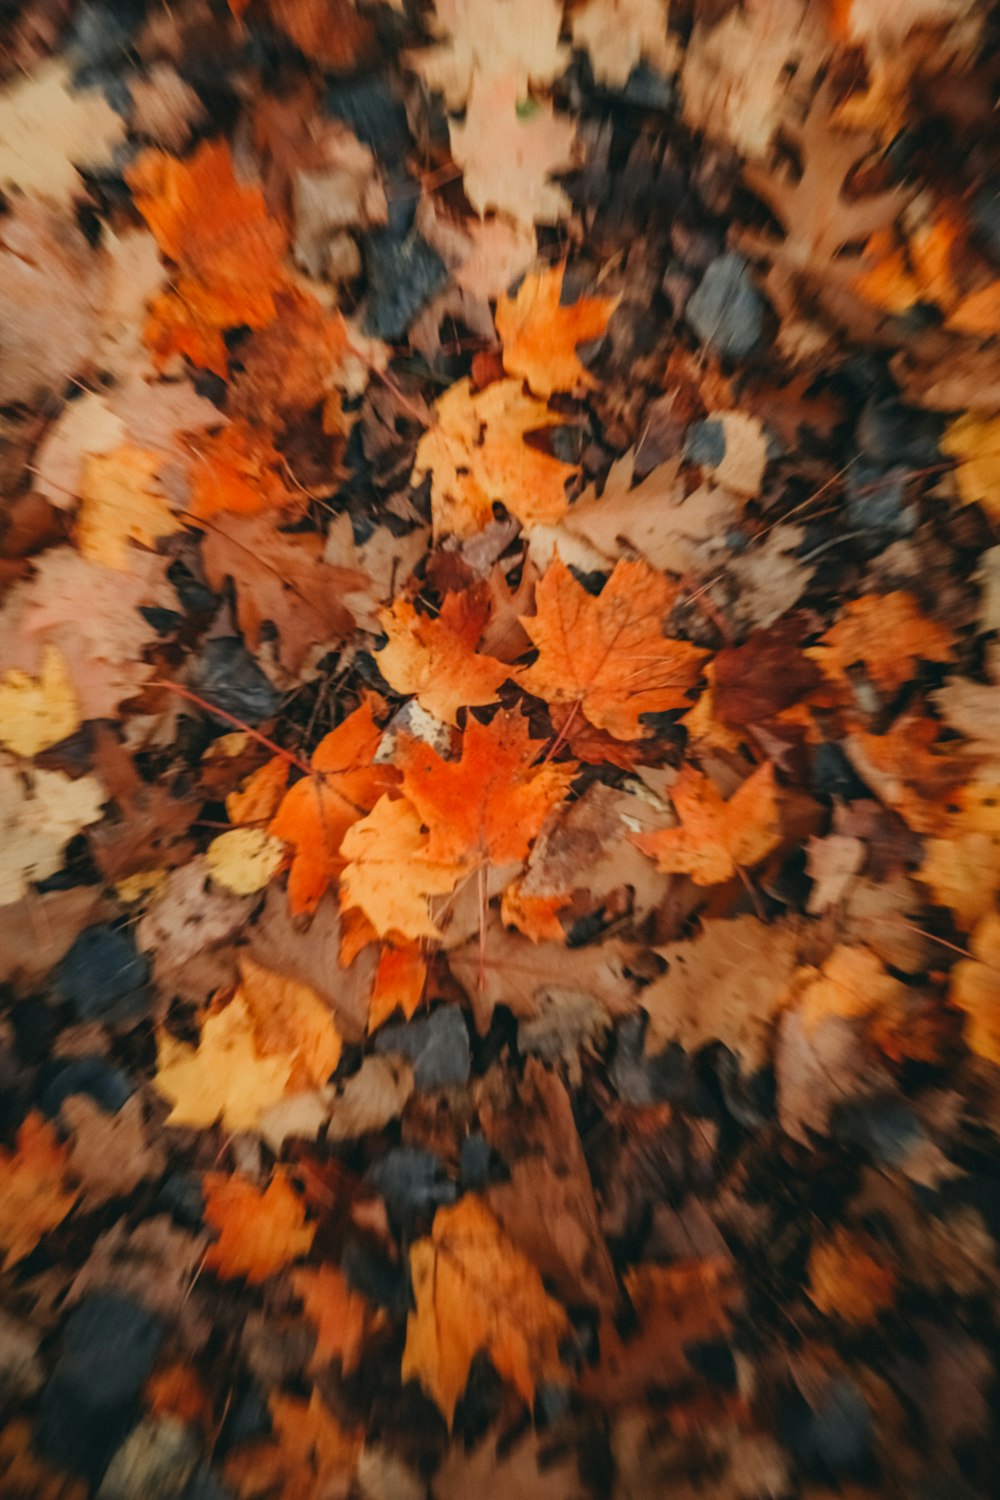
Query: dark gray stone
(726,311)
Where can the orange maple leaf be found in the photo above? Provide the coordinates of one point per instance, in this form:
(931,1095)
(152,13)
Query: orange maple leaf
(343,1318)
(436,660)
(237,469)
(309,1456)
(888,634)
(390,874)
(474,1290)
(260,795)
(540,335)
(608,654)
(33,1194)
(716,837)
(259,1232)
(488,806)
(317,811)
(227,248)
(399,983)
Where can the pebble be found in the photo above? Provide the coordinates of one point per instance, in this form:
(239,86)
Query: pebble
(726,311)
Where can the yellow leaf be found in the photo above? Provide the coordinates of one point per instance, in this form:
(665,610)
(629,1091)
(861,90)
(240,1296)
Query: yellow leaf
(290,1019)
(975,988)
(120,501)
(963,870)
(974,443)
(389,875)
(36,712)
(223,1077)
(244,859)
(473,1290)
(852,982)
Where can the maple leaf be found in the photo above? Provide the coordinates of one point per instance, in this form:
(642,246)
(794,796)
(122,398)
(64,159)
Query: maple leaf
(236,469)
(621,34)
(974,443)
(508,151)
(517,37)
(317,811)
(963,872)
(474,1291)
(852,982)
(488,806)
(290,1020)
(259,797)
(608,654)
(399,984)
(36,712)
(540,335)
(224,1076)
(40,811)
(847,1281)
(48,130)
(975,985)
(281,579)
(390,874)
(436,659)
(476,455)
(34,1197)
(119,502)
(244,859)
(259,1232)
(310,1456)
(331,32)
(716,838)
(343,1318)
(888,634)
(227,249)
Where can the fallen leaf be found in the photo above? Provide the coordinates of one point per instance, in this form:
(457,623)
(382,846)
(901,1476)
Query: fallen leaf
(342,1317)
(608,654)
(399,983)
(476,454)
(852,982)
(120,502)
(390,873)
(886,633)
(317,811)
(40,811)
(472,1290)
(332,32)
(370,1098)
(436,659)
(847,1281)
(290,1020)
(520,39)
(975,986)
(244,859)
(540,335)
(26,1475)
(619,35)
(36,712)
(223,1077)
(259,1232)
(110,1154)
(509,150)
(716,838)
(521,1472)
(259,797)
(309,1457)
(974,443)
(832,863)
(48,130)
(236,469)
(34,1198)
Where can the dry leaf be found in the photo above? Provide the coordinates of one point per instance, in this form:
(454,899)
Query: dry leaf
(259,1232)
(519,38)
(974,443)
(975,987)
(36,712)
(540,335)
(847,1281)
(436,658)
(48,130)
(40,811)
(290,1020)
(110,1153)
(619,35)
(509,150)
(343,1318)
(243,860)
(223,1077)
(390,873)
(888,634)
(120,501)
(309,1457)
(33,1193)
(716,838)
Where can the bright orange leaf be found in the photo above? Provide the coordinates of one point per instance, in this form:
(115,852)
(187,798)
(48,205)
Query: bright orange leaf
(608,654)
(852,982)
(343,1318)
(308,1457)
(390,873)
(317,811)
(259,1232)
(436,660)
(540,335)
(473,1290)
(716,837)
(259,796)
(399,983)
(33,1193)
(887,634)
(488,806)
(237,469)
(175,1391)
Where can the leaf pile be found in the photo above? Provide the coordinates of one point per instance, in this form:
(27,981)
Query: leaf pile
(499,749)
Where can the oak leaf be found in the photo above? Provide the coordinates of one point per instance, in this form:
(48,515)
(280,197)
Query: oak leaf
(474,1291)
(120,502)
(390,873)
(847,1281)
(509,149)
(476,455)
(436,659)
(608,654)
(716,838)
(33,1196)
(540,335)
(489,805)
(224,1076)
(36,712)
(309,1457)
(975,989)
(290,1020)
(888,634)
(342,1317)
(259,1232)
(40,811)
(317,811)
